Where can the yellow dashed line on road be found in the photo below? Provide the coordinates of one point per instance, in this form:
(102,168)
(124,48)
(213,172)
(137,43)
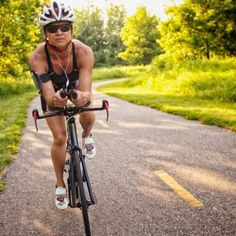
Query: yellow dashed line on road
(179,190)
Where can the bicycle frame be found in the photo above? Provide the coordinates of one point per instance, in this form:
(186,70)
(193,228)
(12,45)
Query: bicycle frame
(77,175)
(74,146)
(70,112)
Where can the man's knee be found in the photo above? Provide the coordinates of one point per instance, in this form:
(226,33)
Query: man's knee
(60,139)
(87,118)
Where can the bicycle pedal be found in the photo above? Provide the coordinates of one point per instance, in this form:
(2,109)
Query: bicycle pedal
(94,200)
(89,203)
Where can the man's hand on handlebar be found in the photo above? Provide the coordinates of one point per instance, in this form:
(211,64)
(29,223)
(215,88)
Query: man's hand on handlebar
(78,98)
(82,99)
(58,100)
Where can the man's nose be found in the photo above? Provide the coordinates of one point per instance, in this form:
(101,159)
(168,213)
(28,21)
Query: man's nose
(59,31)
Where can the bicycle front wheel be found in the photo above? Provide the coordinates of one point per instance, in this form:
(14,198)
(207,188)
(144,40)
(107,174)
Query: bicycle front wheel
(82,197)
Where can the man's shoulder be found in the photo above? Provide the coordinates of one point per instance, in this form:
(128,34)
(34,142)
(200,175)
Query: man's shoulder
(37,57)
(81,47)
(38,51)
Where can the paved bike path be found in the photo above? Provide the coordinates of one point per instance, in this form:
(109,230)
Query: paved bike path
(134,147)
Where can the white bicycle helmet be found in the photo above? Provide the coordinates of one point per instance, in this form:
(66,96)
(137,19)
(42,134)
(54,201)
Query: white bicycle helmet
(57,11)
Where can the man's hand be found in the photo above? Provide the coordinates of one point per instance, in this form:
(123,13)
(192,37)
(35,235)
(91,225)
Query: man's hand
(82,99)
(58,101)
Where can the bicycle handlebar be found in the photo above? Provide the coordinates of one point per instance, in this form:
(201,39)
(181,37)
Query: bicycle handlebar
(71,111)
(71,94)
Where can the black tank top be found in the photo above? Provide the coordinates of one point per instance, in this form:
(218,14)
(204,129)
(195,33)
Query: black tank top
(59,81)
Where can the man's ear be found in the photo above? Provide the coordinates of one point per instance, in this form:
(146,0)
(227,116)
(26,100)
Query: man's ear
(71,29)
(45,35)
(45,39)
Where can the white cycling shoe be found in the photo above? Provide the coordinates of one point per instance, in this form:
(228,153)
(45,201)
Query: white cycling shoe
(61,200)
(89,149)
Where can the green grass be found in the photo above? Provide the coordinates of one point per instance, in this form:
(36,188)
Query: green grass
(198,90)
(212,80)
(104,73)
(11,85)
(12,122)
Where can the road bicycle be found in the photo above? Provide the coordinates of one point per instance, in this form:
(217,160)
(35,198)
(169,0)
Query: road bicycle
(80,193)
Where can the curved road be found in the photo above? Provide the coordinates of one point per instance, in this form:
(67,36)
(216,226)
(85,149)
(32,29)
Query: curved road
(154,174)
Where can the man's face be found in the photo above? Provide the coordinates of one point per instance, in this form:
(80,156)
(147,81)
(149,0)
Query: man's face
(59,34)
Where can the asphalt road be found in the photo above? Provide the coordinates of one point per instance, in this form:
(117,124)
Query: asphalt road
(154,174)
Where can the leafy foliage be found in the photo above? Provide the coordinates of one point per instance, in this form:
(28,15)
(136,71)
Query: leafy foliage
(139,36)
(102,35)
(200,29)
(89,28)
(115,21)
(18,35)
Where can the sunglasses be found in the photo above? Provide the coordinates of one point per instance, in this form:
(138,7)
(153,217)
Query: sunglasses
(54,28)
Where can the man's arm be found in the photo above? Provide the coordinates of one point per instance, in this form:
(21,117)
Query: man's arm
(37,63)
(85,60)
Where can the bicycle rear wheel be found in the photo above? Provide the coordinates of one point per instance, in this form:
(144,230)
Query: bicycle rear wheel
(72,188)
(82,197)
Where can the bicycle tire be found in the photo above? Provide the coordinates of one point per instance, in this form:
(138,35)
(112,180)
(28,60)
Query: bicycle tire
(72,188)
(82,197)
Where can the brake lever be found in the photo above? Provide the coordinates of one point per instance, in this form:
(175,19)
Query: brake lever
(105,105)
(35,115)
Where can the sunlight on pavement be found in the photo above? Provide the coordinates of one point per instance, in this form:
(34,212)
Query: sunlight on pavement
(209,179)
(143,125)
(46,162)
(42,228)
(136,125)
(102,123)
(201,177)
(147,185)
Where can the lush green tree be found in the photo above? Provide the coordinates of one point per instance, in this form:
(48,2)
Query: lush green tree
(175,36)
(89,28)
(18,35)
(116,15)
(200,28)
(218,21)
(139,35)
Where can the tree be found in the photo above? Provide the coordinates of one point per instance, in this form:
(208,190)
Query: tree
(18,35)
(175,35)
(139,35)
(200,28)
(115,21)
(89,28)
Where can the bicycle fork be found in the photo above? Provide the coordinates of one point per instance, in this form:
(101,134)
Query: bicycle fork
(71,179)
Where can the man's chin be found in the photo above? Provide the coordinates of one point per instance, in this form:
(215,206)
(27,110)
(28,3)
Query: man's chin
(61,45)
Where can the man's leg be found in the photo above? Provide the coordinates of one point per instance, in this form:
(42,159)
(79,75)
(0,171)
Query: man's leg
(87,120)
(58,148)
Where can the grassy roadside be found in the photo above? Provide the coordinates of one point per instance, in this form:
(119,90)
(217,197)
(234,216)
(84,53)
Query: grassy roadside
(198,90)
(105,73)
(208,112)
(12,122)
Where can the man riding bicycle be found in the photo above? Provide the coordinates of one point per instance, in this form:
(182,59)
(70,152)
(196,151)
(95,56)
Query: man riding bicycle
(58,63)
